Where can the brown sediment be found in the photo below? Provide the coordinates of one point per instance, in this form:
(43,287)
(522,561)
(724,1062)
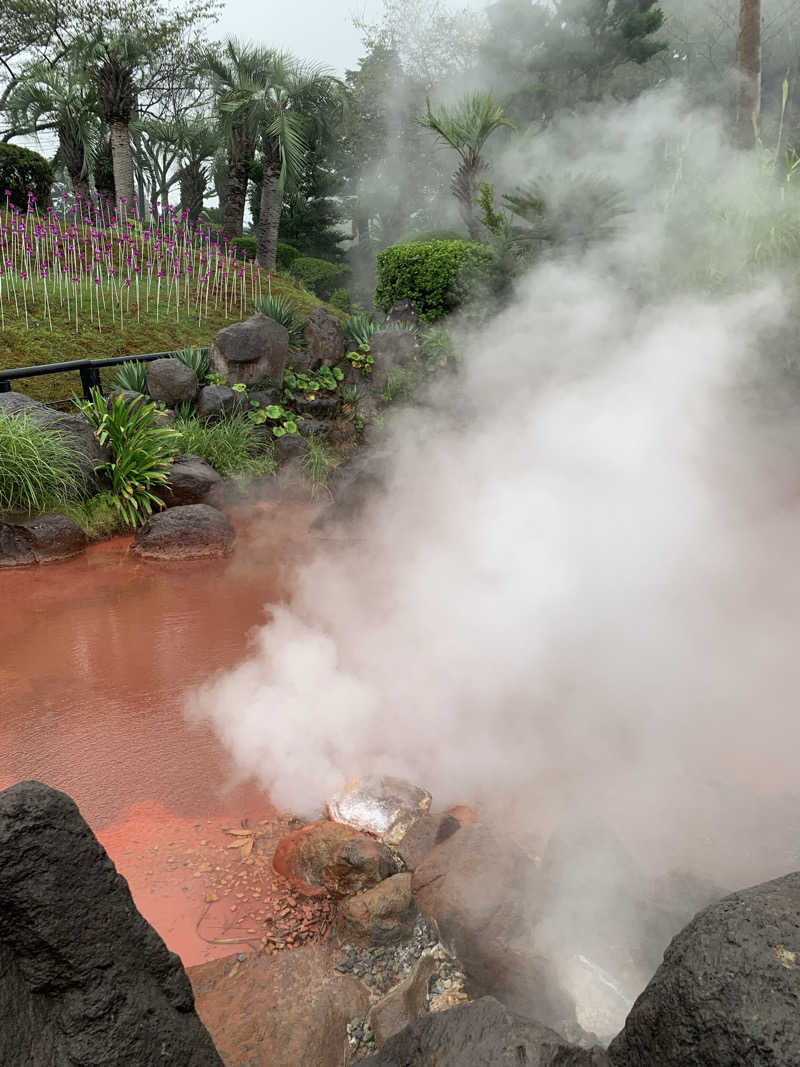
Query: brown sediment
(96,655)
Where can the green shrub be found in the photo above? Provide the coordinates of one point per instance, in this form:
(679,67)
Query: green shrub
(132,376)
(319,275)
(37,469)
(341,299)
(437,276)
(142,452)
(431,235)
(286,313)
(247,246)
(437,347)
(23,172)
(286,255)
(196,359)
(229,445)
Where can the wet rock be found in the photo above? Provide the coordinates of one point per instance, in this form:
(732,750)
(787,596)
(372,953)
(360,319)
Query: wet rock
(390,349)
(324,338)
(403,311)
(481,1034)
(251,351)
(291,1008)
(380,805)
(172,381)
(265,397)
(426,833)
(728,991)
(44,539)
(218,401)
(191,531)
(403,1004)
(290,446)
(321,407)
(383,915)
(327,857)
(191,479)
(84,979)
(75,431)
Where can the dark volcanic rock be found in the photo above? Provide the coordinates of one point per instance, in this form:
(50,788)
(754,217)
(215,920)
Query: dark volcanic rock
(728,991)
(327,857)
(190,481)
(192,531)
(425,834)
(76,432)
(390,349)
(290,446)
(45,539)
(215,401)
(481,1034)
(84,980)
(321,407)
(382,915)
(172,381)
(403,311)
(324,338)
(251,351)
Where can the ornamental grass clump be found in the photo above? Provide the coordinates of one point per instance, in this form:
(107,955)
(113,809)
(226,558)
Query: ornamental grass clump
(142,452)
(38,471)
(284,311)
(230,445)
(132,376)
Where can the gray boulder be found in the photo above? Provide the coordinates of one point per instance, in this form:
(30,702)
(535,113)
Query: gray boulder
(381,805)
(217,401)
(172,381)
(251,351)
(44,539)
(192,531)
(728,991)
(403,311)
(84,980)
(321,407)
(324,338)
(390,349)
(76,432)
(191,479)
(290,446)
(481,1034)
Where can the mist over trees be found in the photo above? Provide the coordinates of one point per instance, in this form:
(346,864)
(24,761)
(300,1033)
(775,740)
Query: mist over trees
(150,112)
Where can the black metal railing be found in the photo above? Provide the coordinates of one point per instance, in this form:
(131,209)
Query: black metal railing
(89,369)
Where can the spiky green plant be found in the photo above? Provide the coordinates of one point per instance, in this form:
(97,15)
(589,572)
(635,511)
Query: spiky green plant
(37,469)
(132,376)
(230,445)
(317,465)
(142,452)
(286,313)
(196,359)
(358,330)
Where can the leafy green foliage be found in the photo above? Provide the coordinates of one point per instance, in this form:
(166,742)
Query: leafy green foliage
(358,329)
(341,299)
(132,376)
(98,516)
(246,247)
(196,359)
(142,452)
(321,380)
(571,212)
(23,172)
(286,255)
(437,276)
(37,470)
(437,347)
(282,310)
(319,275)
(229,445)
(363,359)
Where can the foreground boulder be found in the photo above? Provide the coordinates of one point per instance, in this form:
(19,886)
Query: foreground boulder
(481,1034)
(383,915)
(251,351)
(171,381)
(84,980)
(192,531)
(327,857)
(380,804)
(190,481)
(291,1008)
(44,539)
(728,991)
(75,431)
(219,401)
(324,338)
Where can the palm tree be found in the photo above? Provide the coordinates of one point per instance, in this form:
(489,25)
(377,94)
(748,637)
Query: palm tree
(467,127)
(114,62)
(234,72)
(197,142)
(47,99)
(288,99)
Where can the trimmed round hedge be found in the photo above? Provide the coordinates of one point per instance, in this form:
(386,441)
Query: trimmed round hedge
(436,276)
(23,172)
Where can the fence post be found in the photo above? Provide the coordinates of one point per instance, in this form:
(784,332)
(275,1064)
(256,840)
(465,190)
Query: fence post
(5,387)
(90,377)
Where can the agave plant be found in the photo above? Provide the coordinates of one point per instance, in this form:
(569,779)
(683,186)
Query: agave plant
(196,359)
(358,330)
(285,312)
(132,376)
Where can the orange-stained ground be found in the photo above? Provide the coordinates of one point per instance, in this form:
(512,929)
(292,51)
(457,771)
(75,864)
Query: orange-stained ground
(95,656)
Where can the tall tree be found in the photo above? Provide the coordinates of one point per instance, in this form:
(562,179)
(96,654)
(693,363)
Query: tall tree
(466,128)
(62,100)
(749,63)
(236,72)
(287,99)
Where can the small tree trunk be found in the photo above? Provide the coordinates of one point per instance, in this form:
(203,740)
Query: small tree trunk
(72,154)
(241,152)
(269,217)
(123,167)
(749,61)
(193,187)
